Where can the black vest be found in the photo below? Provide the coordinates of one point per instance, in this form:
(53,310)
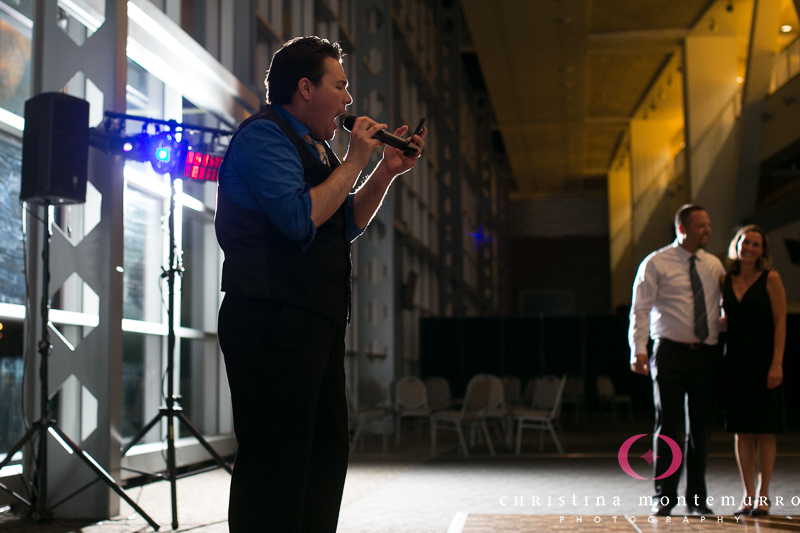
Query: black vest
(260,262)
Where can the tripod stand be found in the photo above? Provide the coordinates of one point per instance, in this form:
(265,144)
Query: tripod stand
(39,429)
(173,409)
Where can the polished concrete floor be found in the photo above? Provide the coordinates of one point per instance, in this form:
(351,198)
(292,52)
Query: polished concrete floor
(407,491)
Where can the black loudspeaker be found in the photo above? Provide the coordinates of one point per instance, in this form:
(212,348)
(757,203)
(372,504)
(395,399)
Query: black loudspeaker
(55,149)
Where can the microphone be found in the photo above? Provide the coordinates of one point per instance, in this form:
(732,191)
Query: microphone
(385,137)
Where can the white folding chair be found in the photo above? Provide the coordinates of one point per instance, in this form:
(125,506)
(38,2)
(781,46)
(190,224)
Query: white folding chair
(439,396)
(475,401)
(496,409)
(545,409)
(410,401)
(529,391)
(512,388)
(370,395)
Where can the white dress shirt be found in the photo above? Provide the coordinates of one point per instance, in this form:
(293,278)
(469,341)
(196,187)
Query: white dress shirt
(663,302)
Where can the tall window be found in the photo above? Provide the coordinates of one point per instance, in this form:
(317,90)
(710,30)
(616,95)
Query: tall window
(16,29)
(197,359)
(12,292)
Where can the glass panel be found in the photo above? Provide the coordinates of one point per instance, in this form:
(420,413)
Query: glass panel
(20,7)
(132,383)
(77,296)
(145,95)
(11,336)
(143,256)
(198,384)
(193,290)
(15,50)
(12,256)
(81,18)
(200,283)
(146,222)
(142,382)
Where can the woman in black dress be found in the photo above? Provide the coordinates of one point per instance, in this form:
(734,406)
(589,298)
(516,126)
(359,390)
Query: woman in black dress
(755,306)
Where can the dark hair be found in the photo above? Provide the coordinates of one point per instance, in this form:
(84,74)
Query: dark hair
(683,214)
(764,262)
(302,57)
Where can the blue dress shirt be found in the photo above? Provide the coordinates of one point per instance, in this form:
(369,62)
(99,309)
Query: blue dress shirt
(264,173)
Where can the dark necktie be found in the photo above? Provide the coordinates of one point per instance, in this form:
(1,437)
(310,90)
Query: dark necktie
(700,314)
(319,147)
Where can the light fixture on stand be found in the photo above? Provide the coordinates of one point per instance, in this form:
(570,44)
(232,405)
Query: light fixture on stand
(169,152)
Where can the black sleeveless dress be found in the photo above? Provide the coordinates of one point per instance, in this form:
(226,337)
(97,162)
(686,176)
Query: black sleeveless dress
(750,407)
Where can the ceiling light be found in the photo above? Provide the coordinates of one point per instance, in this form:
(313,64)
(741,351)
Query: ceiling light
(786,28)
(739,79)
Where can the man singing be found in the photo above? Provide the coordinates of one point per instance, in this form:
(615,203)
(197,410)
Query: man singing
(285,220)
(676,302)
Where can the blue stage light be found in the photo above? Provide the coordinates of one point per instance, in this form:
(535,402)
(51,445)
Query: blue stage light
(163,146)
(480,236)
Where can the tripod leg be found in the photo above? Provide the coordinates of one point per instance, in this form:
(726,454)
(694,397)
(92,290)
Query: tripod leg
(196,432)
(104,476)
(141,434)
(17,496)
(36,426)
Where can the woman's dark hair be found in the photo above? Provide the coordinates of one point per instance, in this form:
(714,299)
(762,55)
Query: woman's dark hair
(764,262)
(302,57)
(683,214)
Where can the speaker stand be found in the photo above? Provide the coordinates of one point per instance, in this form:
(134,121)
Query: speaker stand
(40,511)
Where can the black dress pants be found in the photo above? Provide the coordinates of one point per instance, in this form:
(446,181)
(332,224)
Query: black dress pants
(685,392)
(285,368)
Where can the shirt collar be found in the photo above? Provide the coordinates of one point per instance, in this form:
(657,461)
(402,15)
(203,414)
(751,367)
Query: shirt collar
(298,127)
(685,254)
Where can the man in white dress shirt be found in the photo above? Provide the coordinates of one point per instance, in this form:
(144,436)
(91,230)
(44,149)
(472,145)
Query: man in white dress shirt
(676,298)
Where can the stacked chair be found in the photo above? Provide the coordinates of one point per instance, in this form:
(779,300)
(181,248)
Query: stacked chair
(410,401)
(471,414)
(543,412)
(496,409)
(439,396)
(371,395)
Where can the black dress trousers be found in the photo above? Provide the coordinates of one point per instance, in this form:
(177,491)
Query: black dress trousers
(285,368)
(685,394)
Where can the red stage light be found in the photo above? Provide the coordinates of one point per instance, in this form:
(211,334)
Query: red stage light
(198,166)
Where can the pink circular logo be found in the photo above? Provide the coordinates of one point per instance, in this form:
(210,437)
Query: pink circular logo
(622,457)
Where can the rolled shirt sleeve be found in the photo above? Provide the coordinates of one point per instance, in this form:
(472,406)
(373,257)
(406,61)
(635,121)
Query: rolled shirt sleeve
(266,175)
(645,289)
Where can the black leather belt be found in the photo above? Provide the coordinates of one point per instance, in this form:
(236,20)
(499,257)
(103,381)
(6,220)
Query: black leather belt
(691,346)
